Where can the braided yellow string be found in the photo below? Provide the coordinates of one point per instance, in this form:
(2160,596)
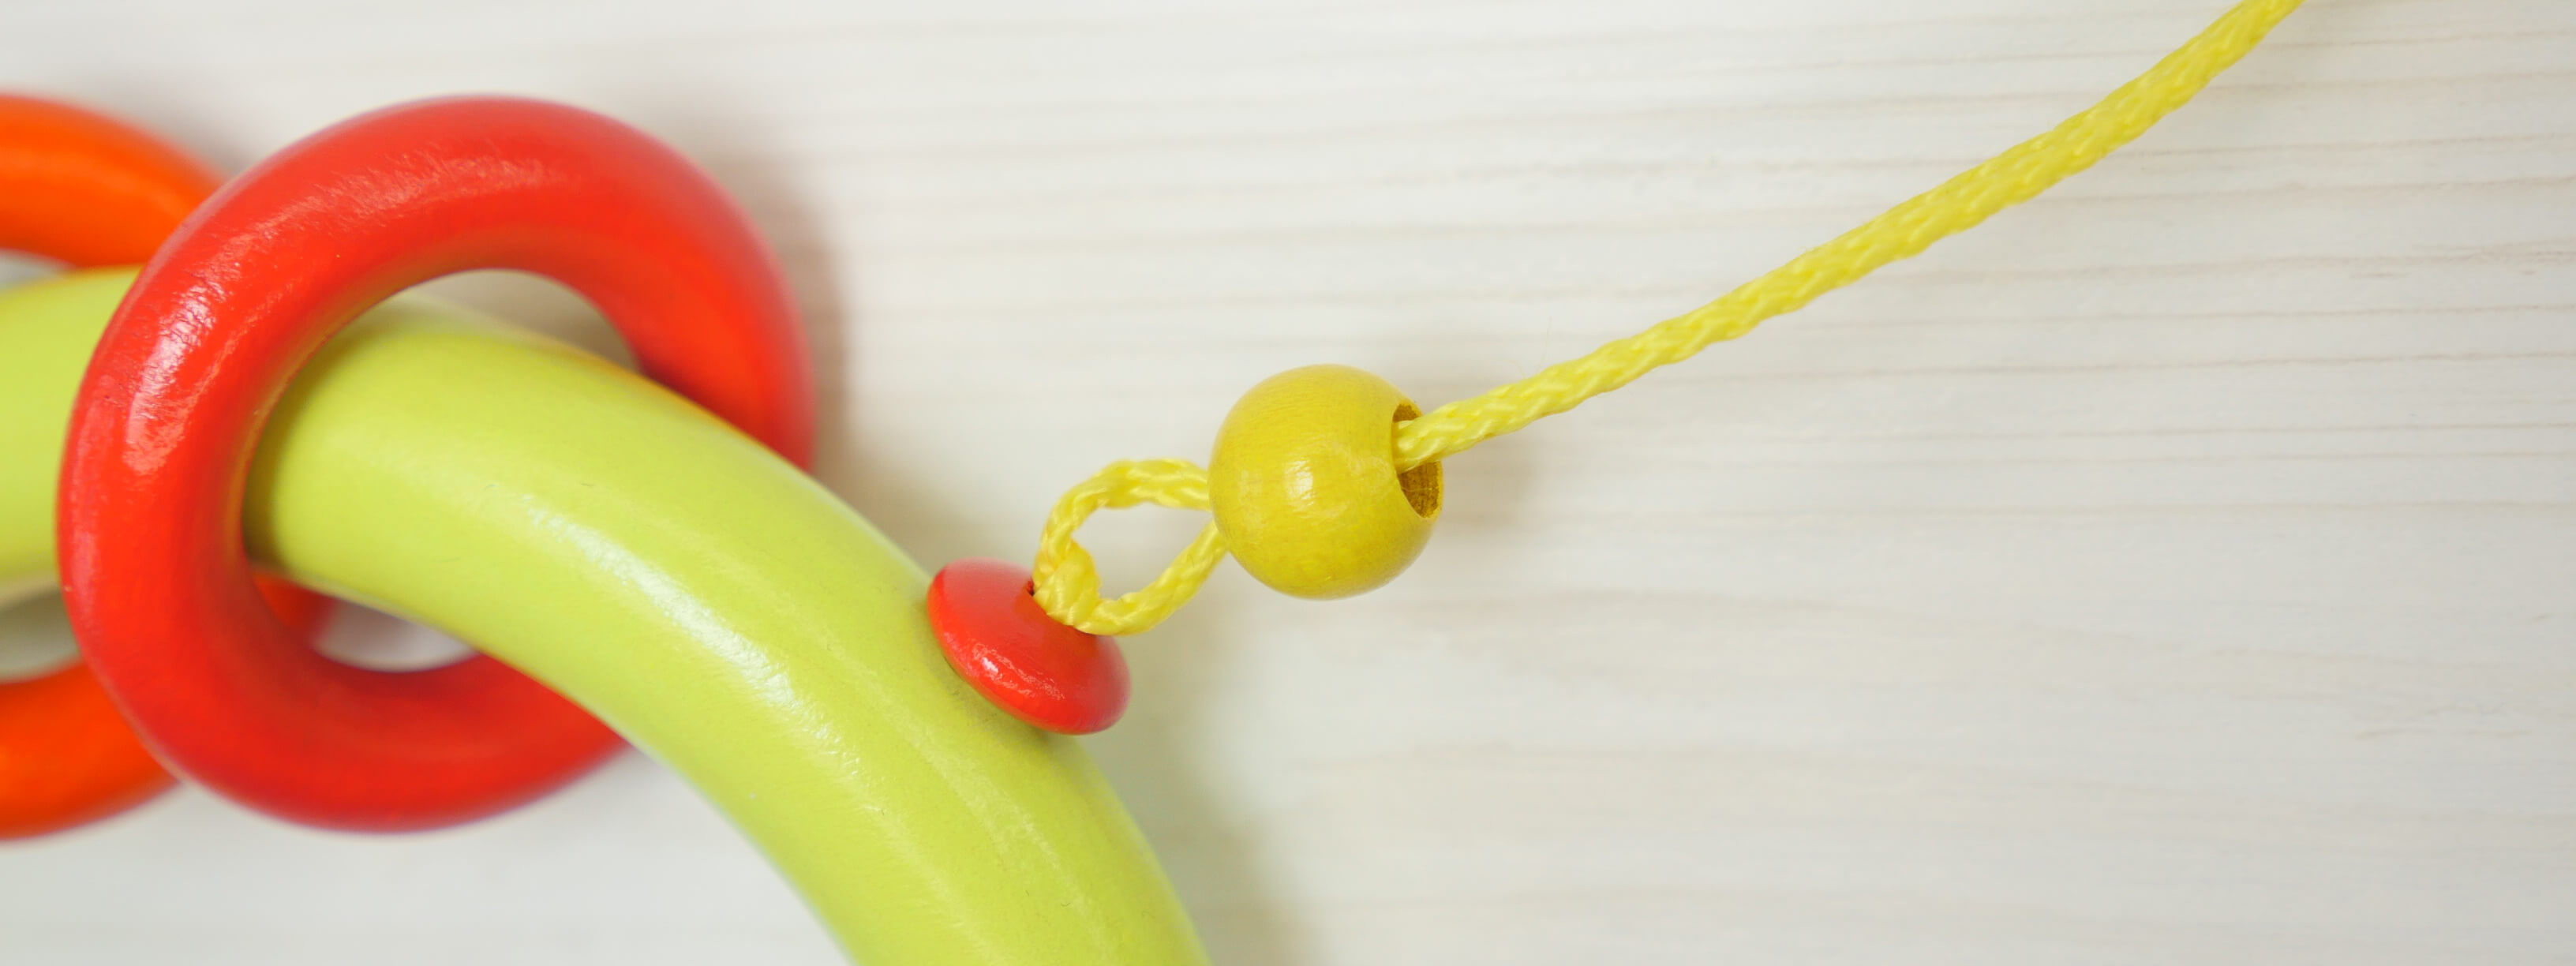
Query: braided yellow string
(1068,586)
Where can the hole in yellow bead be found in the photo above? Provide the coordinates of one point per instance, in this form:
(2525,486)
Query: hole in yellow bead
(1421,484)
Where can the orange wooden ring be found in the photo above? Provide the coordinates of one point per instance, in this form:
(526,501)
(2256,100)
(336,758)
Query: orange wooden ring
(85,190)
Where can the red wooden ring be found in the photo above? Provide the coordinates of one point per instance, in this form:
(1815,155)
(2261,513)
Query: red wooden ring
(170,412)
(84,190)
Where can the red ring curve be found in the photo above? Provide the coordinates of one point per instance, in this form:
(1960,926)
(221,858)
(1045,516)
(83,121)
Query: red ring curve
(169,414)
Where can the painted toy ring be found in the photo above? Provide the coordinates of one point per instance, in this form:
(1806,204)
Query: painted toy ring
(170,412)
(85,190)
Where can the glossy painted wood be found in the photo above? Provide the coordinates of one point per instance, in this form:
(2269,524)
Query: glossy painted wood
(2172,571)
(1304,483)
(83,189)
(695,591)
(173,402)
(1000,641)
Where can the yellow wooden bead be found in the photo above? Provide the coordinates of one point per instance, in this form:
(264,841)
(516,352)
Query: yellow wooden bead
(1305,487)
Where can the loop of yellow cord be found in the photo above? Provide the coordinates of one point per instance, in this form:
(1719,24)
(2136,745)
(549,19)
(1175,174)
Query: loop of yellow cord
(1068,583)
(1068,586)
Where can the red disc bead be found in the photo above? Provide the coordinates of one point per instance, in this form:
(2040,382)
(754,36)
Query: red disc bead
(999,639)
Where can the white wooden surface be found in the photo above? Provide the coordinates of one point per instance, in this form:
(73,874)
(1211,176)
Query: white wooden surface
(2180,569)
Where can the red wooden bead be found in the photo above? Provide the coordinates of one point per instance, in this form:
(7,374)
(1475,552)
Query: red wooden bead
(1003,643)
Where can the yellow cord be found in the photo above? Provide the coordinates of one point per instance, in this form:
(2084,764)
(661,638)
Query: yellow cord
(1068,585)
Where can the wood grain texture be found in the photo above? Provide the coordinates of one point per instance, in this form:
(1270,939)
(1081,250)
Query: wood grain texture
(2177,569)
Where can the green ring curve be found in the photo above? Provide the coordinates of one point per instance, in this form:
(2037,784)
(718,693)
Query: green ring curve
(720,609)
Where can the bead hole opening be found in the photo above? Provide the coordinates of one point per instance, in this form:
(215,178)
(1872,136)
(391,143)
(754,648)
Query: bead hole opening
(1421,484)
